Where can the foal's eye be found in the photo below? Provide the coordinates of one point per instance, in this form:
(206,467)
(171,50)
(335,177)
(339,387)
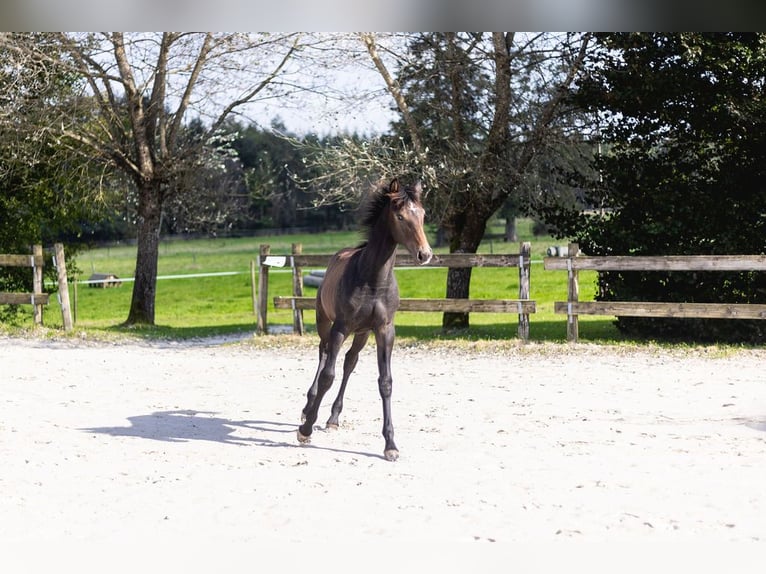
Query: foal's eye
(400,217)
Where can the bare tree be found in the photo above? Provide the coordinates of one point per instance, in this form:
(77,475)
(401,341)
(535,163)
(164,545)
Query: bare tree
(138,91)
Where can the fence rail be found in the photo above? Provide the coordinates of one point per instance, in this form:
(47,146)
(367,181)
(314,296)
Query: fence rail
(298,303)
(660,263)
(425,305)
(575,263)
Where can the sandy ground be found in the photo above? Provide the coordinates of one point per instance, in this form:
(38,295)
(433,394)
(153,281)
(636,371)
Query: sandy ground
(116,441)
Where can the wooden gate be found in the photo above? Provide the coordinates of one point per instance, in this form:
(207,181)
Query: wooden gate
(37,298)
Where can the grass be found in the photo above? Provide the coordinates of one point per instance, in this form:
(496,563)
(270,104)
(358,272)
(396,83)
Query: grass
(209,306)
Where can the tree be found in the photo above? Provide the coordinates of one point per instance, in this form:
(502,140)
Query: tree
(162,78)
(138,92)
(684,150)
(213,195)
(44,189)
(476,110)
(272,166)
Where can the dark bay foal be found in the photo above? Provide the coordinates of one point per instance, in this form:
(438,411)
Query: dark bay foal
(359,296)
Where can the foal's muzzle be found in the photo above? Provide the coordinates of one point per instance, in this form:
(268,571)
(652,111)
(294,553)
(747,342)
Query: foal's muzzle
(424,256)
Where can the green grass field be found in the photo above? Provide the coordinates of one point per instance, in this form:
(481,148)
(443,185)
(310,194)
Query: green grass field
(206,306)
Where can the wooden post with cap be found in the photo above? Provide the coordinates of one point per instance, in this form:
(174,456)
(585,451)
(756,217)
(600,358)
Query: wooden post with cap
(297,290)
(525,260)
(37,283)
(573,294)
(66,312)
(261,325)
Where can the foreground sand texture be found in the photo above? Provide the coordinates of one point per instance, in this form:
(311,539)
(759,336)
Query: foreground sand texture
(103,441)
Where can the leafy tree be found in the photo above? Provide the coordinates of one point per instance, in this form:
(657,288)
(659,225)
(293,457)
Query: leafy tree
(682,170)
(45,189)
(211,196)
(273,162)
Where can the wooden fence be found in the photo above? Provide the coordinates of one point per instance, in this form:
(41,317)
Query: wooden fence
(38,298)
(575,262)
(297,302)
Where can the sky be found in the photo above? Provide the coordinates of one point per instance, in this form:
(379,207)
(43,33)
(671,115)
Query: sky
(318,115)
(373,120)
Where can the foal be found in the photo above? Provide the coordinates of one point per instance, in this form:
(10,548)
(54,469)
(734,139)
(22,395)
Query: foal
(359,295)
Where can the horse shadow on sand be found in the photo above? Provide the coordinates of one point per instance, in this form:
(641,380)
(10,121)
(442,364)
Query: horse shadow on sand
(188,425)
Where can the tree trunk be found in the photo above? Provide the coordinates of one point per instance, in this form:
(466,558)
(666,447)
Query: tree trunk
(478,205)
(148,241)
(510,229)
(467,232)
(458,287)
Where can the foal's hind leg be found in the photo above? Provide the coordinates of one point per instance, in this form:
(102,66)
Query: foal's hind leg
(323,382)
(360,340)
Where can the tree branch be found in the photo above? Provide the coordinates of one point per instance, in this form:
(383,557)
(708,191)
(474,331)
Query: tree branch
(135,109)
(156,110)
(255,91)
(184,103)
(393,87)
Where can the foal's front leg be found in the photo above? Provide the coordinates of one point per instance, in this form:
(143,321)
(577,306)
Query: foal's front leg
(311,395)
(324,326)
(323,383)
(384,339)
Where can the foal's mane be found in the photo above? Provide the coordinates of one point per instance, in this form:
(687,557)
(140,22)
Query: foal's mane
(378,199)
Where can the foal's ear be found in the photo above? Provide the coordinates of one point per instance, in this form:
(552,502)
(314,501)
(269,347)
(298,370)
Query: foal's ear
(393,187)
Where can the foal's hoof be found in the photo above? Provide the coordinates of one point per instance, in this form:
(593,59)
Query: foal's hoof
(391,455)
(302,438)
(331,426)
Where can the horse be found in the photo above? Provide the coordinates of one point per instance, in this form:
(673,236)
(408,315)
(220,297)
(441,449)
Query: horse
(359,295)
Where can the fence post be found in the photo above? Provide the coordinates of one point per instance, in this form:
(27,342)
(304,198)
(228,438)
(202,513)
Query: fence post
(261,325)
(37,282)
(573,294)
(297,290)
(74,305)
(525,260)
(253,287)
(66,312)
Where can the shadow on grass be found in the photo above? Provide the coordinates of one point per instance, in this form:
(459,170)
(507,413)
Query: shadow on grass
(554,331)
(224,333)
(593,330)
(539,331)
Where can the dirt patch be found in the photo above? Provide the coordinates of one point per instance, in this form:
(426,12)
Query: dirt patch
(104,440)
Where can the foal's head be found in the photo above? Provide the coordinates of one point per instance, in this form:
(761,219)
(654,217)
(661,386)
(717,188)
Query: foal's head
(405,220)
